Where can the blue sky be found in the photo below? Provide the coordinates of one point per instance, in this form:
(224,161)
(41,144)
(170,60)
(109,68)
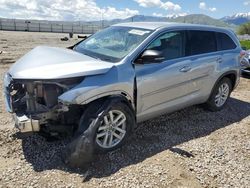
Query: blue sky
(223,7)
(110,9)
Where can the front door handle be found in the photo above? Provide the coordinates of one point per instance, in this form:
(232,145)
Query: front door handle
(185,69)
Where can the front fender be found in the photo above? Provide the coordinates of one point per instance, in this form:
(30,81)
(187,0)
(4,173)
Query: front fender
(114,82)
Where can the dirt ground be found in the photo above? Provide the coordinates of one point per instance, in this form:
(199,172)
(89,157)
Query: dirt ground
(188,148)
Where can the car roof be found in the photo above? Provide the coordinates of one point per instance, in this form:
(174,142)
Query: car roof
(158,25)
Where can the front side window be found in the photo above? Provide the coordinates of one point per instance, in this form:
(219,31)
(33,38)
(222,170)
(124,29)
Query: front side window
(200,42)
(114,43)
(169,44)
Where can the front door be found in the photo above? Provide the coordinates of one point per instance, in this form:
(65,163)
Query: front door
(166,85)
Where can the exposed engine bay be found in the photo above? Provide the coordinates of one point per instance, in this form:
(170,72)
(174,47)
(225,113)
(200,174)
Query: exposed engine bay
(36,104)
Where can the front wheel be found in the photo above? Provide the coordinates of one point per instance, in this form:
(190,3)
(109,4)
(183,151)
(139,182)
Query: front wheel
(220,95)
(102,128)
(113,130)
(115,126)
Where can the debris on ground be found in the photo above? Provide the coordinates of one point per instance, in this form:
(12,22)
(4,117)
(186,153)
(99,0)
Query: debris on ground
(64,39)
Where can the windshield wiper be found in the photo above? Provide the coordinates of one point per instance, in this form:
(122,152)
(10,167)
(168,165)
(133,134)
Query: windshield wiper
(102,58)
(106,59)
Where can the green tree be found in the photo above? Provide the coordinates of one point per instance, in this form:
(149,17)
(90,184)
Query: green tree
(244,29)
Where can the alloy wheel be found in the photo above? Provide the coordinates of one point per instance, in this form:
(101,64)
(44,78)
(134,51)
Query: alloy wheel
(222,95)
(112,129)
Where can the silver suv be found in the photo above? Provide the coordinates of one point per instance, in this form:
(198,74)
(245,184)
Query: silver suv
(132,71)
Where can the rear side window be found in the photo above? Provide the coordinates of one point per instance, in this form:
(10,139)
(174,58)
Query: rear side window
(199,42)
(225,42)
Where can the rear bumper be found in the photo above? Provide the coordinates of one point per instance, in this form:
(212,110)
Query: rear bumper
(25,124)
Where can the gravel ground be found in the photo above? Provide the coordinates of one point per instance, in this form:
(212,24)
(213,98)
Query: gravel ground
(188,148)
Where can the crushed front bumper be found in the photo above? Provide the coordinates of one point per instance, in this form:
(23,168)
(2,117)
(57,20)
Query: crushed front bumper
(26,124)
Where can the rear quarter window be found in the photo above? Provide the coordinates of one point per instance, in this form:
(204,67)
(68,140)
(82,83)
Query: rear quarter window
(225,42)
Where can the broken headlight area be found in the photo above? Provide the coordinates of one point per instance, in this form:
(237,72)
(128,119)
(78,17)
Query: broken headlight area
(35,103)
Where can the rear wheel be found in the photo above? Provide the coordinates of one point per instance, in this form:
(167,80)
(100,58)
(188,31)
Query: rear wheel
(220,95)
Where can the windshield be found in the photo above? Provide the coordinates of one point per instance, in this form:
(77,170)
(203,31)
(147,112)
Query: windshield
(112,44)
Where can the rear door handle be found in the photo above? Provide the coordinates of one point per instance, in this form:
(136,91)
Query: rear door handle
(219,60)
(185,69)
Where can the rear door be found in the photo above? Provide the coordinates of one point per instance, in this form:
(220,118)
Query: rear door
(201,48)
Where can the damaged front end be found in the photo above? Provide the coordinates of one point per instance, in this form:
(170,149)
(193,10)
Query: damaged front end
(35,107)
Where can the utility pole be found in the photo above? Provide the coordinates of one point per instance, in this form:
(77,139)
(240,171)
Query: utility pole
(102,21)
(15,24)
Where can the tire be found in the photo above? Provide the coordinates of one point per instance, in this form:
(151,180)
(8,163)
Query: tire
(120,107)
(219,95)
(87,139)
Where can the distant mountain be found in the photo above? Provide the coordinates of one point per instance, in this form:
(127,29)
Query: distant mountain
(142,18)
(137,18)
(200,19)
(192,18)
(237,19)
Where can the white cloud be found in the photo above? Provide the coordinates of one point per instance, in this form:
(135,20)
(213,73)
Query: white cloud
(171,6)
(213,9)
(112,12)
(61,10)
(149,3)
(246,3)
(158,3)
(203,6)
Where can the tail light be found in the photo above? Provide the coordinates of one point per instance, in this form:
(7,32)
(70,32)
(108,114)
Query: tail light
(242,53)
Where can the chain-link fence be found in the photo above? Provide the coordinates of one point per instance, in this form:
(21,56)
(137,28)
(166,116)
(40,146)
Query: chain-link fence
(50,26)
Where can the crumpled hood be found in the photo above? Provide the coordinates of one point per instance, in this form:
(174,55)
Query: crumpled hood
(54,63)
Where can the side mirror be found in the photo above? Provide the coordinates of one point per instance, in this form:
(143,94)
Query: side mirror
(150,56)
